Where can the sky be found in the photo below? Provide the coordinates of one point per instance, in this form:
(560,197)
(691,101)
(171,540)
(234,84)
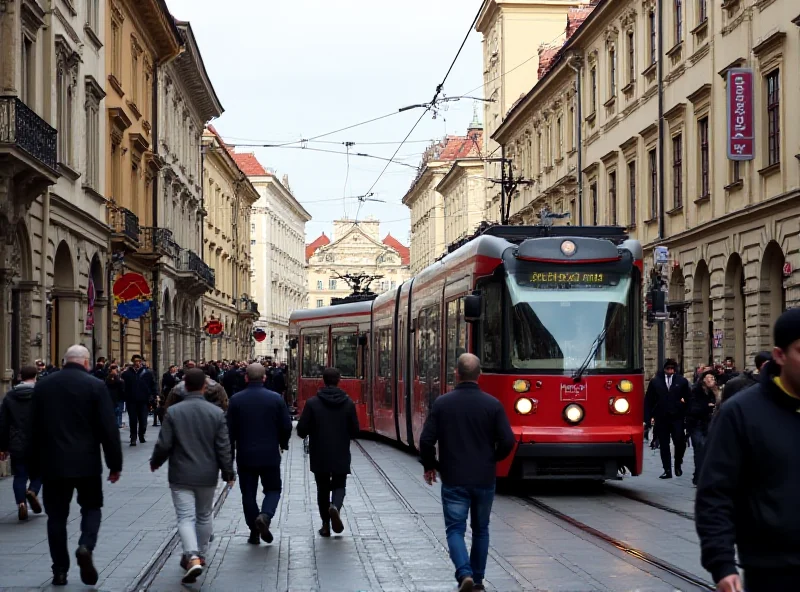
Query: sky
(301,68)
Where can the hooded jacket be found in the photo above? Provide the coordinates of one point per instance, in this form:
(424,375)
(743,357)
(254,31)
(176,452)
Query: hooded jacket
(214,394)
(330,422)
(16,414)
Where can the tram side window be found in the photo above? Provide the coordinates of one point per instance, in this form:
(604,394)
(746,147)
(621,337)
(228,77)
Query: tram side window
(385,365)
(422,346)
(345,348)
(456,337)
(491,342)
(428,344)
(363,360)
(315,355)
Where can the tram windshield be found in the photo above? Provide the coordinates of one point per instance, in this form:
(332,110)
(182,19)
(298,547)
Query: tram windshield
(557,315)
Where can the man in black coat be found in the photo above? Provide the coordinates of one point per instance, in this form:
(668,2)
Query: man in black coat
(748,491)
(140,389)
(72,419)
(665,403)
(259,426)
(330,422)
(747,378)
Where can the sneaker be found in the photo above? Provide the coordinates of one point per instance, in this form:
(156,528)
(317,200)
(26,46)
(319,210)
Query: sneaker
(88,572)
(262,526)
(325,531)
(665,475)
(142,440)
(22,512)
(466,584)
(193,570)
(60,579)
(254,538)
(336,519)
(34,502)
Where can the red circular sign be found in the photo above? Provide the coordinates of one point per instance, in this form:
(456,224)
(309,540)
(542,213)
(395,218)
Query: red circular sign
(214,327)
(259,335)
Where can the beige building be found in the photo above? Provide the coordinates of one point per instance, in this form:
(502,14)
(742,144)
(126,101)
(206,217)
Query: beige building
(436,216)
(731,229)
(356,249)
(229,197)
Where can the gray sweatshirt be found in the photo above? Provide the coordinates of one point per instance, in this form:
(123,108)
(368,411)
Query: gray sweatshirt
(194,438)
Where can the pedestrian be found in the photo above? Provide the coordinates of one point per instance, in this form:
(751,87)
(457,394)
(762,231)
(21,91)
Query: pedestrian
(16,414)
(116,389)
(329,421)
(747,378)
(194,439)
(140,389)
(665,407)
(473,434)
(748,491)
(72,420)
(214,393)
(703,401)
(259,426)
(100,369)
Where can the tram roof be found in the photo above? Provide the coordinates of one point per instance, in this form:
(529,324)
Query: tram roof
(351,308)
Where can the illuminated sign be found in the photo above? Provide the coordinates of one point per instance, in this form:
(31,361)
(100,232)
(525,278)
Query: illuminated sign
(741,142)
(565,280)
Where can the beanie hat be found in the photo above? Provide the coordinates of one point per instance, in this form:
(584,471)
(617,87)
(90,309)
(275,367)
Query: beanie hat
(787,328)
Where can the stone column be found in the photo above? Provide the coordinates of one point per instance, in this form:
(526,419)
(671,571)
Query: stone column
(6,372)
(26,340)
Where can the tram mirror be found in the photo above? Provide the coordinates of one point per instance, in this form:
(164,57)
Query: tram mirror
(293,343)
(362,339)
(473,306)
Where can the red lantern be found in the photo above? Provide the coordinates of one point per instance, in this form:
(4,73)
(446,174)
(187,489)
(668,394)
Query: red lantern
(259,334)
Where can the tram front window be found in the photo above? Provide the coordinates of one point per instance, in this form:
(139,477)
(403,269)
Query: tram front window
(558,314)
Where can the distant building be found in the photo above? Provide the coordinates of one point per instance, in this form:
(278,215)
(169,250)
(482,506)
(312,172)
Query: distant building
(356,249)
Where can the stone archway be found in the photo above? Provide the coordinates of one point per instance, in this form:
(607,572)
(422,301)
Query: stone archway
(772,293)
(735,312)
(21,337)
(701,313)
(64,303)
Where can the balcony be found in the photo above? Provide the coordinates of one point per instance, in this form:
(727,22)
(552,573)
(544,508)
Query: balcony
(125,229)
(247,307)
(194,276)
(159,242)
(27,152)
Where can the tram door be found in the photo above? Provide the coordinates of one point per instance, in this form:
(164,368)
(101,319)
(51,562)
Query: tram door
(366,376)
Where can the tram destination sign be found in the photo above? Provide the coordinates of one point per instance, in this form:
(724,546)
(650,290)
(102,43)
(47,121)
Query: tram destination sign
(566,280)
(740,139)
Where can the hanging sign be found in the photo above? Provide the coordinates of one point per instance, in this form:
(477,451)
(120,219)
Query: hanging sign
(718,337)
(214,327)
(90,309)
(132,295)
(741,142)
(787,269)
(259,334)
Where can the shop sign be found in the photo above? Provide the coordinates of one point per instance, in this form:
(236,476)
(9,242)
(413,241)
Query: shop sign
(741,142)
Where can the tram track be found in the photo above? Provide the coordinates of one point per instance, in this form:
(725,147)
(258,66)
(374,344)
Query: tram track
(637,497)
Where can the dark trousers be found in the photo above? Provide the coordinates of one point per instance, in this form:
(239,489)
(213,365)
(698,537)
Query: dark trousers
(158,415)
(21,480)
(248,485)
(665,429)
(137,418)
(771,580)
(698,436)
(57,499)
(330,491)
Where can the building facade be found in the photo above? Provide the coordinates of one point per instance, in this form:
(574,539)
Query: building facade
(277,244)
(731,228)
(356,249)
(186,102)
(229,197)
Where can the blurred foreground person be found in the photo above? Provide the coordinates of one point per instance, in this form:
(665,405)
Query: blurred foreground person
(72,419)
(194,438)
(259,426)
(329,420)
(750,485)
(746,379)
(473,433)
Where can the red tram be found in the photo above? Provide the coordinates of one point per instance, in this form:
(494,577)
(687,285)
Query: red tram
(554,314)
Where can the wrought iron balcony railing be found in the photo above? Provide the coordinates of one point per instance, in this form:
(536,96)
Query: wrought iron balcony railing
(160,241)
(191,261)
(19,125)
(125,223)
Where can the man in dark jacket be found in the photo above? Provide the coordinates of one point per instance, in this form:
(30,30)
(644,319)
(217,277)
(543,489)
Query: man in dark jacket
(16,414)
(194,438)
(140,389)
(259,426)
(665,403)
(330,422)
(747,378)
(749,487)
(72,419)
(473,433)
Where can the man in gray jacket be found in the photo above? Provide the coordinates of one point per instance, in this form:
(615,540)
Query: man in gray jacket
(194,438)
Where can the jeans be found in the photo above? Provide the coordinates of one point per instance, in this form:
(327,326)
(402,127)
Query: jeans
(194,507)
(330,491)
(248,485)
(664,429)
(698,435)
(457,502)
(137,416)
(57,498)
(20,484)
(118,408)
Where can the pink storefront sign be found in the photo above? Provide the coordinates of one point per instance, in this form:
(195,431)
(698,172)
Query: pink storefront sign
(741,142)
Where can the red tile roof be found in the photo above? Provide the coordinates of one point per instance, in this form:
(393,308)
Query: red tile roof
(320,241)
(249,164)
(576,16)
(546,55)
(454,147)
(405,253)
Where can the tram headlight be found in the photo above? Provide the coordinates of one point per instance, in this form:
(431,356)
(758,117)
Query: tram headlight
(625,386)
(568,248)
(524,406)
(521,386)
(573,413)
(620,405)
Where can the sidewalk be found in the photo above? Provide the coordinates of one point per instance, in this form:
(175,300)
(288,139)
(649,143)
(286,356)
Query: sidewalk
(137,518)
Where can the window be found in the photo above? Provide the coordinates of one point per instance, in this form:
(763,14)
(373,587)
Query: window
(63,115)
(134,187)
(331,284)
(491,325)
(774,117)
(702,131)
(92,142)
(631,57)
(320,285)
(92,14)
(252,242)
(385,344)
(428,332)
(632,192)
(315,355)
(116,50)
(319,303)
(612,65)
(560,131)
(134,76)
(677,171)
(345,350)
(652,163)
(736,172)
(148,89)
(28,72)
(540,152)
(456,337)
(593,88)
(115,172)
(651,23)
(612,196)
(593,191)
(573,129)
(678,21)
(702,11)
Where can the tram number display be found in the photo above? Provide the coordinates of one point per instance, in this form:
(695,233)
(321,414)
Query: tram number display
(565,280)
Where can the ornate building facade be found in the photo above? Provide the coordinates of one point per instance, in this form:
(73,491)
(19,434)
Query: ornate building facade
(277,244)
(356,249)
(229,198)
